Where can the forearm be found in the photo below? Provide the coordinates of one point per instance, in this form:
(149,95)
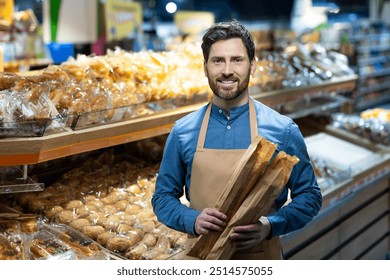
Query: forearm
(295,215)
(173,214)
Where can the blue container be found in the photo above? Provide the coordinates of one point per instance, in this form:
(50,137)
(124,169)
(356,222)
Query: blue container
(61,52)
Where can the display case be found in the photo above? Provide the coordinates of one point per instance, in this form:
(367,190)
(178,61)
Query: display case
(371,41)
(354,219)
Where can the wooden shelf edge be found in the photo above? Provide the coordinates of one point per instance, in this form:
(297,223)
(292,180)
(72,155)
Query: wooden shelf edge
(19,151)
(272,98)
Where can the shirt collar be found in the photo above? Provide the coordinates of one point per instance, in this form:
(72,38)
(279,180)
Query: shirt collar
(235,112)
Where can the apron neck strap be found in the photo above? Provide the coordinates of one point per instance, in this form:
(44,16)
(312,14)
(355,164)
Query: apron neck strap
(206,118)
(253,120)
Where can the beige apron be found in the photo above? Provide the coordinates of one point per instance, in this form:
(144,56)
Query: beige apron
(211,170)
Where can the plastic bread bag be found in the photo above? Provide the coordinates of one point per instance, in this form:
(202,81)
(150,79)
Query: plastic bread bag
(8,80)
(10,250)
(10,104)
(83,246)
(44,245)
(162,248)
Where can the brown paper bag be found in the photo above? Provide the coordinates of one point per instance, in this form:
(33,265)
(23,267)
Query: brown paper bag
(257,203)
(245,176)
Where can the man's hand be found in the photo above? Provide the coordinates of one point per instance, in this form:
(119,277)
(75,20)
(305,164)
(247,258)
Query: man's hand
(208,220)
(248,236)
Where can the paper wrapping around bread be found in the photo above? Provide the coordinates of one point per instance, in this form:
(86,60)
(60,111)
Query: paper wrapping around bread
(257,203)
(250,193)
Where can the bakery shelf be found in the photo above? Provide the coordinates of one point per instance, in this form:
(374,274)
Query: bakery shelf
(274,98)
(370,37)
(376,87)
(24,65)
(378,100)
(374,48)
(374,59)
(309,105)
(378,73)
(346,135)
(32,150)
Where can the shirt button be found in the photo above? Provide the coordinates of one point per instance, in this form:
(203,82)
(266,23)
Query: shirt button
(220,111)
(228,127)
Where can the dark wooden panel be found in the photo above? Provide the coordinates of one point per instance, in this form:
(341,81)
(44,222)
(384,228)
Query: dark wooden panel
(340,224)
(365,240)
(321,247)
(363,218)
(378,251)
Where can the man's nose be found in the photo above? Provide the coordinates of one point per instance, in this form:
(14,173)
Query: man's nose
(227,69)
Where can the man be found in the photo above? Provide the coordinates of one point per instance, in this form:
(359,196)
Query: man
(203,147)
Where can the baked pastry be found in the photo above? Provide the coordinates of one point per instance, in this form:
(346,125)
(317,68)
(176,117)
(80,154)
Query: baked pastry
(136,252)
(149,240)
(86,210)
(8,80)
(147,226)
(73,204)
(111,222)
(121,205)
(123,229)
(121,243)
(93,231)
(65,217)
(133,209)
(161,248)
(53,212)
(44,245)
(79,224)
(10,250)
(103,238)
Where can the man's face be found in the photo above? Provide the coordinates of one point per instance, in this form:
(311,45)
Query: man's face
(228,68)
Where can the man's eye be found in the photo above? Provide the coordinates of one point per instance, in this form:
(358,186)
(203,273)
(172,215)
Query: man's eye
(238,60)
(217,61)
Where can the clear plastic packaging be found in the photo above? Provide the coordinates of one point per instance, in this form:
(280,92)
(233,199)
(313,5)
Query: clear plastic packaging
(31,237)
(113,115)
(13,180)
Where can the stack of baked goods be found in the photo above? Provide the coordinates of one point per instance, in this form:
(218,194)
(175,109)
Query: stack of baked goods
(31,237)
(111,204)
(93,83)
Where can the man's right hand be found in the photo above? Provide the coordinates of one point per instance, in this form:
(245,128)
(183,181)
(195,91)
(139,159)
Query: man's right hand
(209,220)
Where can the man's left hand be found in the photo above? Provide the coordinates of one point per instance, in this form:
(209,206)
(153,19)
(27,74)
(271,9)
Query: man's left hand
(248,236)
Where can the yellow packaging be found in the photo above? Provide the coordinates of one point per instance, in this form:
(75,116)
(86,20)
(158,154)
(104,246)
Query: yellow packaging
(1,60)
(6,10)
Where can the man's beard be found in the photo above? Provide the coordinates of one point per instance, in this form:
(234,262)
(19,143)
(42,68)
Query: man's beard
(229,94)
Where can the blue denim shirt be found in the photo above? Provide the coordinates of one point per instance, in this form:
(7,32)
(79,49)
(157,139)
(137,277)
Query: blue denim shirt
(234,133)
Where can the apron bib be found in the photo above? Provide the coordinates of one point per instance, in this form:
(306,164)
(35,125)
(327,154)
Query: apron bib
(211,171)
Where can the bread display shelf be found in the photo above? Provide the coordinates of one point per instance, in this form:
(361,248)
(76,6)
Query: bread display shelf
(26,64)
(32,150)
(274,98)
(356,139)
(347,136)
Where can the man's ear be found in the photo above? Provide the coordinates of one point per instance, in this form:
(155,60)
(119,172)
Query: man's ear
(253,66)
(205,69)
